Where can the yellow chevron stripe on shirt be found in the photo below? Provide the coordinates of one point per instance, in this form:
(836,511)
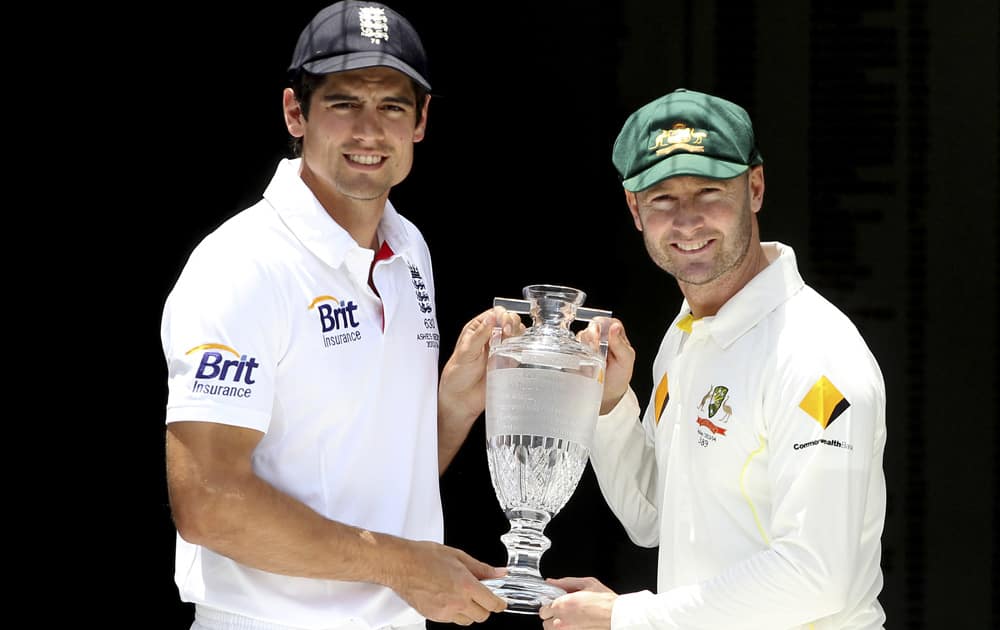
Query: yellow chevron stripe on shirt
(662,396)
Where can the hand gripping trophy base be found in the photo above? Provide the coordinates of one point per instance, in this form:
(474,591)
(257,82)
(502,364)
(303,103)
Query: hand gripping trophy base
(523,588)
(524,594)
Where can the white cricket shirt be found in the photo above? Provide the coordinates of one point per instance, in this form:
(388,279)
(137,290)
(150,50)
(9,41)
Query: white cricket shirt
(757,467)
(272,325)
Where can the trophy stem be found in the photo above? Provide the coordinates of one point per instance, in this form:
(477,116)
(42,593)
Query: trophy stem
(523,587)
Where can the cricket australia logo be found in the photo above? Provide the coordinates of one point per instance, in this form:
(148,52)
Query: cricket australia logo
(679,137)
(712,403)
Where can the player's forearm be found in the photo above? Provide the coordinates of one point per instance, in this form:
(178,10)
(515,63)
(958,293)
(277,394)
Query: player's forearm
(625,465)
(768,590)
(453,428)
(253,523)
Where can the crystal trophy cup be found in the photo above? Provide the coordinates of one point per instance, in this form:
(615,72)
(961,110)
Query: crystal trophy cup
(543,396)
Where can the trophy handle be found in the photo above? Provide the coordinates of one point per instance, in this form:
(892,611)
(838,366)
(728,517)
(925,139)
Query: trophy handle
(585,315)
(523,307)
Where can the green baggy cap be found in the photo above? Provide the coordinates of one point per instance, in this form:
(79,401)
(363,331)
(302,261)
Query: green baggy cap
(684,133)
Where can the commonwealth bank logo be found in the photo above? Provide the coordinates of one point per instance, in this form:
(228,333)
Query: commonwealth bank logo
(824,403)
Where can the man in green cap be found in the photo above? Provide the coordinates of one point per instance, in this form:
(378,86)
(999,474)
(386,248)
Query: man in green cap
(756,465)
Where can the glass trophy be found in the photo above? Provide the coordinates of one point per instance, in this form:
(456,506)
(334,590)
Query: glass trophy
(543,396)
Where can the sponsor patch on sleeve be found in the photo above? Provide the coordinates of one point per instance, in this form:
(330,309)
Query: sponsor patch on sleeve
(824,403)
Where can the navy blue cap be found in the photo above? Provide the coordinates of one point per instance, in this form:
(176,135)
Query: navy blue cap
(349,35)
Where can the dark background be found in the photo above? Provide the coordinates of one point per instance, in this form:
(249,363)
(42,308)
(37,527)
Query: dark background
(878,127)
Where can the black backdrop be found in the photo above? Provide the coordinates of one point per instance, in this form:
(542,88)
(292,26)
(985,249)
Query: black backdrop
(878,126)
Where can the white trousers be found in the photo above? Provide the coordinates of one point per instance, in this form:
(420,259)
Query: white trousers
(211,619)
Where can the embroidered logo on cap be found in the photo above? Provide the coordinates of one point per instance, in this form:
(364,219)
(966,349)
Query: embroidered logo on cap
(374,24)
(680,136)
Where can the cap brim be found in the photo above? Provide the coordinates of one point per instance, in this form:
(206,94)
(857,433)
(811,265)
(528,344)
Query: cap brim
(366,59)
(684,164)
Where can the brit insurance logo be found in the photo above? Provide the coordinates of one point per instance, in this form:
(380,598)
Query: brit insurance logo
(223,371)
(715,405)
(337,320)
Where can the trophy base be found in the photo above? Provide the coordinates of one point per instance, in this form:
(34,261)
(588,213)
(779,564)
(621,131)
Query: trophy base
(524,594)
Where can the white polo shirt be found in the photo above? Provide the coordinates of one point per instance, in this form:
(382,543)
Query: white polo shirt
(272,325)
(757,467)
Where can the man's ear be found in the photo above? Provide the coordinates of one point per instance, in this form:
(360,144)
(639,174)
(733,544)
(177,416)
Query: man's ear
(418,133)
(294,118)
(756,184)
(633,208)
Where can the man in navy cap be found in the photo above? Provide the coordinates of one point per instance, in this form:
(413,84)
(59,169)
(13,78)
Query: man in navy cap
(307,424)
(756,466)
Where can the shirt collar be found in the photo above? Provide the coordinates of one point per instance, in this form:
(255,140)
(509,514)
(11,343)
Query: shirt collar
(302,212)
(766,291)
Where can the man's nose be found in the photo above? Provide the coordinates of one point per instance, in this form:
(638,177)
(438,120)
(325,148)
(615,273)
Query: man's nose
(688,215)
(368,126)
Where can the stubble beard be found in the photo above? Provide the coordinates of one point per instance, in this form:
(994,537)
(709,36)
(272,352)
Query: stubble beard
(358,193)
(361,188)
(725,259)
